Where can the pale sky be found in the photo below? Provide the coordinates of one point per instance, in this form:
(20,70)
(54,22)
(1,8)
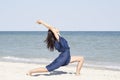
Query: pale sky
(67,15)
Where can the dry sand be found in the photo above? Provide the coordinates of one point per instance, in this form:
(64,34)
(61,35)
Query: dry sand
(17,71)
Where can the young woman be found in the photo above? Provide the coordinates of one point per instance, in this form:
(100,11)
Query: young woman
(55,41)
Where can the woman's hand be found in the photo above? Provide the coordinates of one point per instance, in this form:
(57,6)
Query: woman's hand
(39,21)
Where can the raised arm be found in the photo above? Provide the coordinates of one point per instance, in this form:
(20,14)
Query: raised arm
(54,30)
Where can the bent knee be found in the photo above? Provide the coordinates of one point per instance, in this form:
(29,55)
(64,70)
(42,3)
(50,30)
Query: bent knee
(77,59)
(81,58)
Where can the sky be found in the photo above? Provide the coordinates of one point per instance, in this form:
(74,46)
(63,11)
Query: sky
(66,15)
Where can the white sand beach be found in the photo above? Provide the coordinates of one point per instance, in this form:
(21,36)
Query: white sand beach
(17,71)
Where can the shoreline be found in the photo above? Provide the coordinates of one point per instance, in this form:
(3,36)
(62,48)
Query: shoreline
(17,71)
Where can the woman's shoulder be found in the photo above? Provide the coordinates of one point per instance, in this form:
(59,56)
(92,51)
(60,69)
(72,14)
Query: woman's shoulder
(61,38)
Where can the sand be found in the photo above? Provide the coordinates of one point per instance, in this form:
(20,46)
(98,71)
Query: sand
(17,71)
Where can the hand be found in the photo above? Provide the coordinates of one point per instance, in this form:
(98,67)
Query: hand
(39,21)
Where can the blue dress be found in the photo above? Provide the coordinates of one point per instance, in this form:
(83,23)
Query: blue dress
(64,56)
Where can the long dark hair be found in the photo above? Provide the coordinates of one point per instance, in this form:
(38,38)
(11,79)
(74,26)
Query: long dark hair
(50,40)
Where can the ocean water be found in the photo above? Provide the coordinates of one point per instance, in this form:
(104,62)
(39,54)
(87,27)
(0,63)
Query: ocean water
(101,49)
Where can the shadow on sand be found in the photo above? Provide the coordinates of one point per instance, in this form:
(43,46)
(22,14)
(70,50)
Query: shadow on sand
(53,73)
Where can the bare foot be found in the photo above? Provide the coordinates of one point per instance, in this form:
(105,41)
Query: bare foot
(29,74)
(77,74)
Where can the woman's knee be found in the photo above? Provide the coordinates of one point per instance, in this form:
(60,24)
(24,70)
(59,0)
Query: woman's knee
(76,59)
(80,58)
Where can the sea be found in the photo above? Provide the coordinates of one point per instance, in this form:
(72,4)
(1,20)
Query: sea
(101,49)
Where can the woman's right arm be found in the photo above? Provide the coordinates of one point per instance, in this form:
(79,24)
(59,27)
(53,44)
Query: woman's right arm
(50,28)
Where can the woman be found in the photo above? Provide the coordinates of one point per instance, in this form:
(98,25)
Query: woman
(55,41)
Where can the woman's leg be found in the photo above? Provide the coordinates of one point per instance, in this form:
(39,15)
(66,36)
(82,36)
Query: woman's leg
(80,61)
(37,70)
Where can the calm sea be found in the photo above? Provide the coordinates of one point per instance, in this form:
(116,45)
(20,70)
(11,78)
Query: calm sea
(100,48)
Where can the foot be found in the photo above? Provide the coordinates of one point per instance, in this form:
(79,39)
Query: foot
(77,74)
(29,74)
